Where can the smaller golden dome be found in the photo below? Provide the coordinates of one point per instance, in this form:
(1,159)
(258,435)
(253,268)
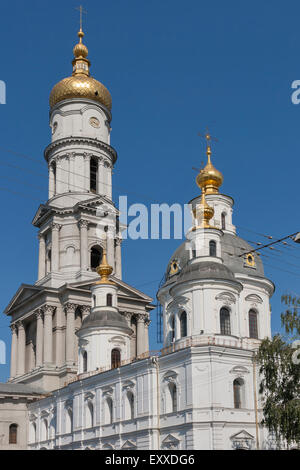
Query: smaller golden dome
(203,213)
(80,84)
(209,179)
(104,270)
(80,51)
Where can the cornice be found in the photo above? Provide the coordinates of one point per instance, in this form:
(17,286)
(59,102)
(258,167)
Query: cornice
(60,143)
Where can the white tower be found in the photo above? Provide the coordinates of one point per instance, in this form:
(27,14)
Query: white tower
(104,336)
(80,161)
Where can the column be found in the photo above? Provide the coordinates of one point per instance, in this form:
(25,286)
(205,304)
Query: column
(59,176)
(118,268)
(51,181)
(42,257)
(55,247)
(140,335)
(48,334)
(101,187)
(14,351)
(85,311)
(86,160)
(39,338)
(70,332)
(110,247)
(21,348)
(147,323)
(84,262)
(72,186)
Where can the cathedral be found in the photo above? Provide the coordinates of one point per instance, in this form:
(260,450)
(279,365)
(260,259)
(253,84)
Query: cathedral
(82,376)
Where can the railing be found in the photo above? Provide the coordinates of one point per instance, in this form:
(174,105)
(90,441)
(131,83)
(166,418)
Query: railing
(100,370)
(241,343)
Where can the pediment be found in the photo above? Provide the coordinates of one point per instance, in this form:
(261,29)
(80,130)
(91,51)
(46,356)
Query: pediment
(239,370)
(170,442)
(178,303)
(123,289)
(129,445)
(242,435)
(254,298)
(226,297)
(42,211)
(24,293)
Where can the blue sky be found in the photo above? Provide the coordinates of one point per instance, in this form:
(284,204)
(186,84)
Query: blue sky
(173,68)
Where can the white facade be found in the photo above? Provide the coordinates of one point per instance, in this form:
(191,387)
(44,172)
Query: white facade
(86,344)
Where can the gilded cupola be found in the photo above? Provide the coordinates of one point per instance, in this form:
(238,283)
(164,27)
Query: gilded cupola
(80,84)
(209,179)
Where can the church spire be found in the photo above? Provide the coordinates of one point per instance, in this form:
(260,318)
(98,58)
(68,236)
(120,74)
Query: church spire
(203,213)
(209,179)
(104,270)
(81,64)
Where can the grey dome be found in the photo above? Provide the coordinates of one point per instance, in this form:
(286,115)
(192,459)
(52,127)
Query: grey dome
(232,246)
(106,319)
(205,270)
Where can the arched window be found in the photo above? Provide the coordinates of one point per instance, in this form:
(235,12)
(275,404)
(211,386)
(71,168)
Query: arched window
(93,174)
(44,430)
(172,329)
(53,165)
(13,434)
(225,321)
(84,361)
(32,433)
(96,257)
(109,300)
(48,262)
(129,406)
(52,428)
(89,415)
(115,358)
(173,395)
(223,220)
(183,325)
(68,420)
(212,248)
(253,330)
(238,392)
(108,411)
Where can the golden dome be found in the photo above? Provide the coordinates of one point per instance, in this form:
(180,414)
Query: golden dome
(203,213)
(209,179)
(80,84)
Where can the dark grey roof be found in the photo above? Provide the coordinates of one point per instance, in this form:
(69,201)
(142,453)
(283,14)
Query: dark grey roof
(205,270)
(106,319)
(232,246)
(20,389)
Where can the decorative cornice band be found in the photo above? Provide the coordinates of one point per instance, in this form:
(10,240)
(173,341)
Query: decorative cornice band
(58,144)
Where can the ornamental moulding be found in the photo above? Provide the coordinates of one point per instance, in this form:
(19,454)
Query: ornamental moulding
(60,143)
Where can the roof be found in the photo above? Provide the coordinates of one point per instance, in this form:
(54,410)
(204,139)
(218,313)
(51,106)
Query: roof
(106,319)
(232,246)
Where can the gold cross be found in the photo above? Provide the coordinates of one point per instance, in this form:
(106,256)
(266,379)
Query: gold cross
(81,10)
(208,138)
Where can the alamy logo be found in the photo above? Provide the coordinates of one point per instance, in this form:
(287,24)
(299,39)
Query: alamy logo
(2,92)
(2,352)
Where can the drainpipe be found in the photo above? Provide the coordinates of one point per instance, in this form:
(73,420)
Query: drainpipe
(156,363)
(255,403)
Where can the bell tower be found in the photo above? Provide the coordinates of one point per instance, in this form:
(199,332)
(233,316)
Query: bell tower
(80,162)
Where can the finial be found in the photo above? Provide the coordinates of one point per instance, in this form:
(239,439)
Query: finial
(203,213)
(81,11)
(209,179)
(81,65)
(104,269)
